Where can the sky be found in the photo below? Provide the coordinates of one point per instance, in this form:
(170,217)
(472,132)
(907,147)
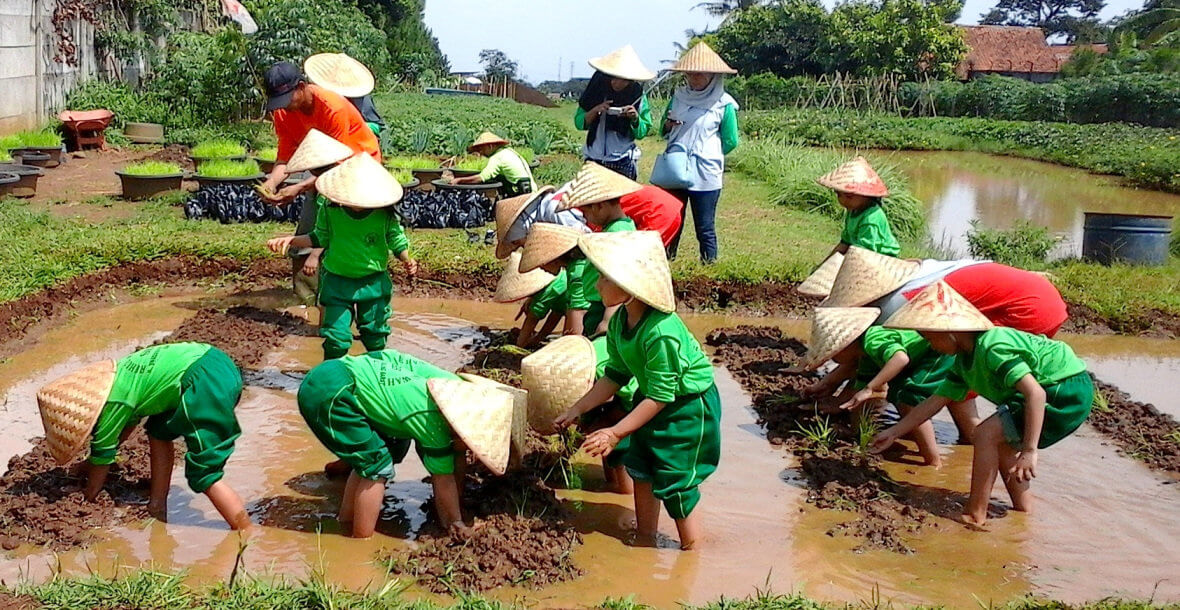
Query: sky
(542,34)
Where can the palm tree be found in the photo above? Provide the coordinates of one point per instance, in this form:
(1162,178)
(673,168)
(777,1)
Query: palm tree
(723,8)
(1164,21)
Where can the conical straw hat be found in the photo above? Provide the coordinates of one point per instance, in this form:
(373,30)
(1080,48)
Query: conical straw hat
(856,177)
(70,406)
(819,283)
(360,182)
(637,262)
(317,150)
(520,412)
(545,243)
(938,307)
(835,328)
(702,58)
(507,211)
(515,285)
(622,63)
(557,376)
(866,276)
(485,139)
(595,183)
(480,415)
(339,73)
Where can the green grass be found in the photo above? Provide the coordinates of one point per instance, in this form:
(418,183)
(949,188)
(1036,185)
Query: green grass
(9,142)
(224,168)
(39,139)
(152,168)
(217,149)
(410,162)
(471,162)
(403,176)
(269,153)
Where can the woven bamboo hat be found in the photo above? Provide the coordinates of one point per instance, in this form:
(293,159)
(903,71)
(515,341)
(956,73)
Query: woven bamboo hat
(866,276)
(595,183)
(856,177)
(702,58)
(339,73)
(520,412)
(835,328)
(545,243)
(556,376)
(360,182)
(515,285)
(637,262)
(507,211)
(819,283)
(481,415)
(317,150)
(939,308)
(70,406)
(486,138)
(622,63)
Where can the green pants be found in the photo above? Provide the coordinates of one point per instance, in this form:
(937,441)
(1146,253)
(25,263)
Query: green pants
(1067,405)
(920,380)
(209,392)
(678,449)
(329,405)
(364,300)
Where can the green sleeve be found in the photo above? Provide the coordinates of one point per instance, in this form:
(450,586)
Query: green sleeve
(105,444)
(319,235)
(662,371)
(580,119)
(871,231)
(576,287)
(395,236)
(494,168)
(615,369)
(664,121)
(543,303)
(730,137)
(880,344)
(1006,363)
(642,125)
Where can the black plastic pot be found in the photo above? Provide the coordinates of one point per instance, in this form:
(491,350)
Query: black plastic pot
(8,182)
(412,184)
(37,159)
(53,152)
(426,177)
(28,174)
(491,190)
(464,173)
(206,181)
(144,187)
(197,161)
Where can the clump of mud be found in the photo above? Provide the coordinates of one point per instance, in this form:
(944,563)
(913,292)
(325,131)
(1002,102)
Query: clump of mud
(1139,429)
(246,334)
(42,503)
(841,474)
(498,359)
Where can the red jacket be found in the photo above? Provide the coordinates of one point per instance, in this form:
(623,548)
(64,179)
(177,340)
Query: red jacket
(654,209)
(1010,297)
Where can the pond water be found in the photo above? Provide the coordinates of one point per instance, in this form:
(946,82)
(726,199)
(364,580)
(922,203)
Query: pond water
(958,187)
(1106,524)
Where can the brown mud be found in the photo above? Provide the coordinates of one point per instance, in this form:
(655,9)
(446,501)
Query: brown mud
(1139,430)
(1149,323)
(9,601)
(246,334)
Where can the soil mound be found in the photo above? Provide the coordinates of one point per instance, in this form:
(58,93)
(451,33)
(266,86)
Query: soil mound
(247,334)
(1139,429)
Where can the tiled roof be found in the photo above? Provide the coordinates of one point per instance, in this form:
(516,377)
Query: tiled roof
(1008,48)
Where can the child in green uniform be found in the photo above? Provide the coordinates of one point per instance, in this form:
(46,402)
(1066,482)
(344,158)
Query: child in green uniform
(185,390)
(555,248)
(897,364)
(1041,388)
(675,425)
(596,191)
(859,190)
(544,297)
(358,230)
(367,409)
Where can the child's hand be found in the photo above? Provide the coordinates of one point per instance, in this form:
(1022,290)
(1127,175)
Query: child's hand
(280,245)
(1025,468)
(311,266)
(858,399)
(411,267)
(885,439)
(564,421)
(810,390)
(524,309)
(601,442)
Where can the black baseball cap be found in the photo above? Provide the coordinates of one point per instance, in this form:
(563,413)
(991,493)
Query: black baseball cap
(281,80)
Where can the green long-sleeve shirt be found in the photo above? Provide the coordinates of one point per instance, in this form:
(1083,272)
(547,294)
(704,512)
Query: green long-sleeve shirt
(1002,357)
(640,126)
(659,353)
(357,243)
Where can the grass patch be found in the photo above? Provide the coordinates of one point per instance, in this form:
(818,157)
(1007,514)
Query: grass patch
(152,168)
(1126,294)
(218,149)
(1024,245)
(403,176)
(224,168)
(270,153)
(38,139)
(556,170)
(410,162)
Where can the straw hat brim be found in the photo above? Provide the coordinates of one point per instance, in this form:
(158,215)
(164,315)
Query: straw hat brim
(546,243)
(339,73)
(317,150)
(819,283)
(835,328)
(640,269)
(622,63)
(866,276)
(507,213)
(71,405)
(856,177)
(486,139)
(520,412)
(480,415)
(514,285)
(702,58)
(360,182)
(939,308)
(595,184)
(556,377)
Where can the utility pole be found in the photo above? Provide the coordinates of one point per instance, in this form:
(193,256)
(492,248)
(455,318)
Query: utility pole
(571,70)
(559,60)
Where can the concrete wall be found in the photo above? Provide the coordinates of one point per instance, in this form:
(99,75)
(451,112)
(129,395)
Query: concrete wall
(33,86)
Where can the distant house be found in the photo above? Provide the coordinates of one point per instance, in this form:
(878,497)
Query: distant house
(1016,51)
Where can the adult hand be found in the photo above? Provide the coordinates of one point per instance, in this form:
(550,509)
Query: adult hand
(669,125)
(1025,468)
(630,112)
(288,193)
(280,245)
(601,108)
(601,442)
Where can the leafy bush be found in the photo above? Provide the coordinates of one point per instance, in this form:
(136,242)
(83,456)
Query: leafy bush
(152,168)
(1024,245)
(556,171)
(223,168)
(217,149)
(539,140)
(791,172)
(270,153)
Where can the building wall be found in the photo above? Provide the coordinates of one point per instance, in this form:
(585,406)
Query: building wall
(33,86)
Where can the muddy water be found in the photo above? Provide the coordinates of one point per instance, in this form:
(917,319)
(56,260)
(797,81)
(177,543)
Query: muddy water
(959,187)
(1107,525)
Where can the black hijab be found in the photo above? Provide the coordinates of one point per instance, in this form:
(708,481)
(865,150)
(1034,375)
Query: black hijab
(598,91)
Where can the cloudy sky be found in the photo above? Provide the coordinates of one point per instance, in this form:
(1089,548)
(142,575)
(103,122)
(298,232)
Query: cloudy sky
(542,35)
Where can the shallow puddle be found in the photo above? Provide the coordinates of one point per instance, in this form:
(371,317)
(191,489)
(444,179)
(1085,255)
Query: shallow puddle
(1106,525)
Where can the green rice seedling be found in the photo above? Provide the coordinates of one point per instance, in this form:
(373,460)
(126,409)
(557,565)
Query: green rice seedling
(420,139)
(5,157)
(268,154)
(539,139)
(526,153)
(411,162)
(1101,403)
(458,139)
(224,168)
(39,139)
(472,162)
(9,142)
(820,432)
(218,149)
(867,427)
(402,176)
(152,168)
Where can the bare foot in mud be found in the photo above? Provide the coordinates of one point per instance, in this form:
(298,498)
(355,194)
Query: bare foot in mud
(974,523)
(158,511)
(634,538)
(337,469)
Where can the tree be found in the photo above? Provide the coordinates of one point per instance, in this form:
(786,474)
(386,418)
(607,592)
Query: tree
(1158,23)
(781,38)
(496,65)
(1069,18)
(908,38)
(724,8)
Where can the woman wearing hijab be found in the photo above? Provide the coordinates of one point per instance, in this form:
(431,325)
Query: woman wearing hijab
(702,118)
(614,112)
